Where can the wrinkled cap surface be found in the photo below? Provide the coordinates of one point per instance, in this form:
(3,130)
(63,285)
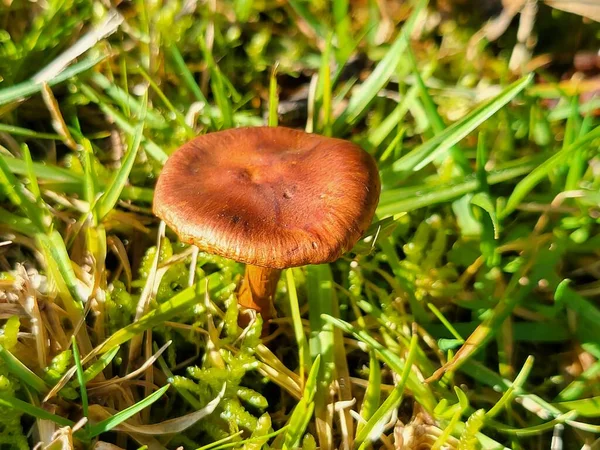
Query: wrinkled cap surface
(271,197)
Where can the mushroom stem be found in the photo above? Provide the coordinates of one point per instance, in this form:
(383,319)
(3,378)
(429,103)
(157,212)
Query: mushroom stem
(258,289)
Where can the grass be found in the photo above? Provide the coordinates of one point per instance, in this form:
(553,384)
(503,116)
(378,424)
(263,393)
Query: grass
(465,318)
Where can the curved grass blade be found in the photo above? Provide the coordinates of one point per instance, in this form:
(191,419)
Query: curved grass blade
(463,404)
(149,145)
(129,103)
(220,445)
(536,429)
(177,425)
(510,392)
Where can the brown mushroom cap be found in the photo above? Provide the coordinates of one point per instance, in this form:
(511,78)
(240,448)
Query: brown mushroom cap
(270,197)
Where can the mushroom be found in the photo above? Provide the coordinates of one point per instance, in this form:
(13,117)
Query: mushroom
(269,197)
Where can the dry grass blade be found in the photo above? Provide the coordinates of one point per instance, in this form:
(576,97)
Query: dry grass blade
(118,248)
(133,374)
(58,122)
(28,300)
(101,445)
(61,440)
(585,8)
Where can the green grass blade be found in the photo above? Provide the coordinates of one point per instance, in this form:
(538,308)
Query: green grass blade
(221,87)
(483,201)
(342,23)
(382,131)
(585,309)
(19,131)
(508,395)
(317,26)
(371,430)
(421,392)
(319,285)
(303,354)
(179,117)
(445,322)
(437,124)
(303,411)
(115,187)
(43,171)
(129,103)
(585,407)
(426,152)
(80,378)
(54,246)
(89,178)
(34,411)
(64,180)
(99,365)
(536,429)
(18,195)
(326,87)
(22,372)
(540,172)
(395,201)
(27,88)
(125,103)
(21,224)
(273,98)
(255,440)
(121,416)
(372,396)
(165,311)
(185,73)
(359,102)
(463,404)
(34,188)
(191,399)
(151,148)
